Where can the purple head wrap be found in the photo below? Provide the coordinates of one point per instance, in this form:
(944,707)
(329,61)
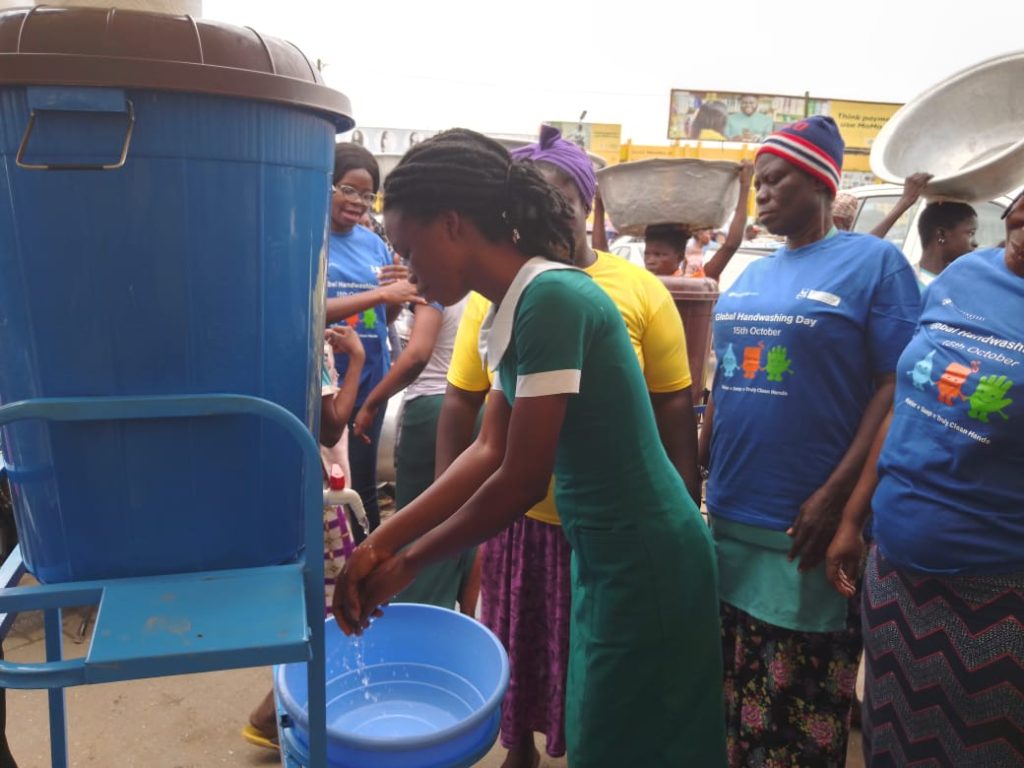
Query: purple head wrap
(568,157)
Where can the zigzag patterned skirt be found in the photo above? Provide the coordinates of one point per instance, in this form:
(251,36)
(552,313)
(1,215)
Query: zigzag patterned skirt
(945,669)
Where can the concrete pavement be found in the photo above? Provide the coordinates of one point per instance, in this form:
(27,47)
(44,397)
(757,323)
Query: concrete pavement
(190,721)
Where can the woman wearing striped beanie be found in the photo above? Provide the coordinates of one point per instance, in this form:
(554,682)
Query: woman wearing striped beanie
(807,343)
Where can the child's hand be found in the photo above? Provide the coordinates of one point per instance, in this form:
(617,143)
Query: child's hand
(344,341)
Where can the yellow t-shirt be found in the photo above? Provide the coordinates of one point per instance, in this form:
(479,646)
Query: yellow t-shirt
(654,326)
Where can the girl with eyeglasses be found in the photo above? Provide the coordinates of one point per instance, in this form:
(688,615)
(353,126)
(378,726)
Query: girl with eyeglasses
(366,291)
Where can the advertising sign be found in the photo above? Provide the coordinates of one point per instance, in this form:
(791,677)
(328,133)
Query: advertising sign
(859,121)
(603,139)
(749,117)
(725,116)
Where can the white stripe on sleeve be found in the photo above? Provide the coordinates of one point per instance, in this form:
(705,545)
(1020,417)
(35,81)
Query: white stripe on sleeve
(563,382)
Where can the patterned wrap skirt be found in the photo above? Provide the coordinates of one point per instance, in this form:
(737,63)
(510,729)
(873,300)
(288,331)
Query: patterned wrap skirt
(526,596)
(945,669)
(788,694)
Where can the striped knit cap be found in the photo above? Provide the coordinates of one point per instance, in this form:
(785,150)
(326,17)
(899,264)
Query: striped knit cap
(813,145)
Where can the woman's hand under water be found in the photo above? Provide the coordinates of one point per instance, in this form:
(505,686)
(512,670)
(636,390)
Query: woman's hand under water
(348,607)
(384,582)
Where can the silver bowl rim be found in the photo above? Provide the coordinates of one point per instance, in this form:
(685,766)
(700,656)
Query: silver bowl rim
(896,122)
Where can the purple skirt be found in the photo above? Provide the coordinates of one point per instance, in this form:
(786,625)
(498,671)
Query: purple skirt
(526,594)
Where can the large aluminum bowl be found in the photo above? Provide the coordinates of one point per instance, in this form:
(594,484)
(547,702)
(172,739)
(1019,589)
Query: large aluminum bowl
(967,131)
(696,194)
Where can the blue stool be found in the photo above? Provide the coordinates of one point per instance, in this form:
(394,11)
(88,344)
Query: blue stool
(180,623)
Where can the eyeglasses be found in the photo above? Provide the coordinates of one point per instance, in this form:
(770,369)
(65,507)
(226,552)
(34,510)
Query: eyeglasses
(354,195)
(1012,204)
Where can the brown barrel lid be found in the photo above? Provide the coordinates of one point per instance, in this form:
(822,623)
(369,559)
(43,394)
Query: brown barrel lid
(154,51)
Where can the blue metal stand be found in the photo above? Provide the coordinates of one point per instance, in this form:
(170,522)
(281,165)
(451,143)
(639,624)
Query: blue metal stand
(180,623)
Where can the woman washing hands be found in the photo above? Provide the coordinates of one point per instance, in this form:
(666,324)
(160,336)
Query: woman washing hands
(468,218)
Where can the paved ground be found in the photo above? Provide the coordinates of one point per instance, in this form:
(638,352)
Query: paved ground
(191,721)
(176,722)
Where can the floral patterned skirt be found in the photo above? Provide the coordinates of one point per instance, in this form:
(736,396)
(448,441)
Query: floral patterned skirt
(788,695)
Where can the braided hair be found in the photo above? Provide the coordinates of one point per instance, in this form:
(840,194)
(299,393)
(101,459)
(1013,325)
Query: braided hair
(507,200)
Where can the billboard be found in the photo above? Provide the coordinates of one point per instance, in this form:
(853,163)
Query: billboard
(859,121)
(603,139)
(749,117)
(725,116)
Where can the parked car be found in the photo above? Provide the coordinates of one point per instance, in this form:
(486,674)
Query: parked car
(877,200)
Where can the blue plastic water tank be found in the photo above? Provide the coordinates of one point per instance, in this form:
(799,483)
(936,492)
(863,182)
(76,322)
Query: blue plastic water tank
(195,267)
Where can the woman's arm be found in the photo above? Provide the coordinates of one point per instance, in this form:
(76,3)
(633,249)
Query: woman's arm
(441,499)
(844,553)
(520,482)
(504,473)
(455,424)
(912,189)
(673,411)
(393,294)
(819,516)
(704,438)
(598,235)
(734,238)
(410,364)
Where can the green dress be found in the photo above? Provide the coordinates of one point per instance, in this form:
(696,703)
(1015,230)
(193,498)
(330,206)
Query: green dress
(645,672)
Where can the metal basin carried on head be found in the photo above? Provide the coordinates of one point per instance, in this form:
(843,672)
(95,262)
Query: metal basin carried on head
(967,131)
(696,194)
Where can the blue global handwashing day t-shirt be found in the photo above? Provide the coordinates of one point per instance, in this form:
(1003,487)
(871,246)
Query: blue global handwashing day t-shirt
(950,497)
(799,338)
(350,269)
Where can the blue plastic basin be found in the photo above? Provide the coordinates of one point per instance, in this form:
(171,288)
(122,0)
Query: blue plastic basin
(197,267)
(422,688)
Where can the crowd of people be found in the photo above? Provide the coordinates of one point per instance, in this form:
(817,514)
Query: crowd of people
(863,483)
(857,462)
(674,591)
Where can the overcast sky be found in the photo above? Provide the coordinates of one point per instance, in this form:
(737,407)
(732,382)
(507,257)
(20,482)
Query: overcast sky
(504,66)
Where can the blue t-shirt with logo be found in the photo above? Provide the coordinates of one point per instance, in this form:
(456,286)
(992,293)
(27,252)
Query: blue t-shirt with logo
(352,258)
(799,339)
(950,497)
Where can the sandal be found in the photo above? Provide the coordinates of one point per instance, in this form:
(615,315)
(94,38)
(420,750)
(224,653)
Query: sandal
(258,738)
